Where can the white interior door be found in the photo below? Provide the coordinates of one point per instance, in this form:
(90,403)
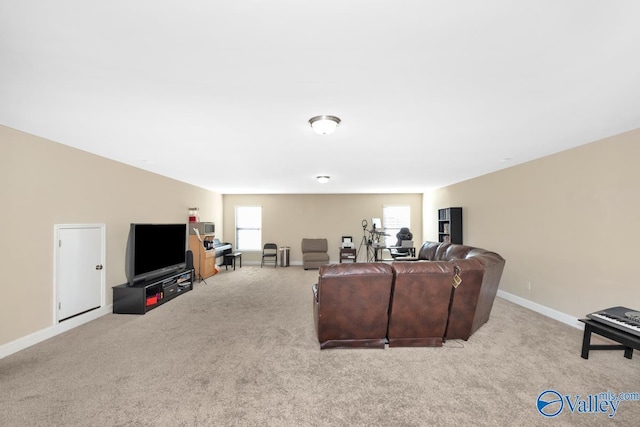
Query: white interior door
(79,269)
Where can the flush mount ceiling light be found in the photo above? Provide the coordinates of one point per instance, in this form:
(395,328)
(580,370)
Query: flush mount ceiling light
(323,179)
(324,125)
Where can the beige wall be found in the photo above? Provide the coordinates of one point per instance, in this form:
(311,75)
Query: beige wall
(287,219)
(568,223)
(44,183)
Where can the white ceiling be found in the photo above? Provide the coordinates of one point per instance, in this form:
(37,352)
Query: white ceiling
(218,93)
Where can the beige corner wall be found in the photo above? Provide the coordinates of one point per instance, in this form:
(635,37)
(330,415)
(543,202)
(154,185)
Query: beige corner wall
(288,218)
(566,223)
(44,183)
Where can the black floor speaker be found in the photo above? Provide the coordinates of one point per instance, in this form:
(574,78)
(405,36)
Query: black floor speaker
(189,260)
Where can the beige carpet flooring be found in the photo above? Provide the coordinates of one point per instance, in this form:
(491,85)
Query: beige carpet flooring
(241,350)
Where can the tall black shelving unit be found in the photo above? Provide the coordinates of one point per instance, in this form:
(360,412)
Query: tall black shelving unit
(450,225)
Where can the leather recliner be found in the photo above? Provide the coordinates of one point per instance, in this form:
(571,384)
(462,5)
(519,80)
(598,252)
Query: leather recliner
(351,305)
(420,303)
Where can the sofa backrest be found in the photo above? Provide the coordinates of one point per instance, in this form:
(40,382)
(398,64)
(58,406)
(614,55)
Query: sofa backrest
(353,303)
(314,245)
(438,251)
(428,250)
(449,252)
(420,303)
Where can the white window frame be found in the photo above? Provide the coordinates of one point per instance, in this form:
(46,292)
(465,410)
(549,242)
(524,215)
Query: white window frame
(393,219)
(251,225)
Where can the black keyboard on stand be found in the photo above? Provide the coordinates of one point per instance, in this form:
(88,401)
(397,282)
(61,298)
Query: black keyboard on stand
(622,318)
(222,248)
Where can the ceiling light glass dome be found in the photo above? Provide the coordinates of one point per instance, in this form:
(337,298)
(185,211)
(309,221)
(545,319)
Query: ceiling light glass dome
(324,125)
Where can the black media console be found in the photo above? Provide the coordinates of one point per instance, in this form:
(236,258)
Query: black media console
(140,298)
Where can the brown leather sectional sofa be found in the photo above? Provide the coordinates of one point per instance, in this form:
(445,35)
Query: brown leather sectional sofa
(411,302)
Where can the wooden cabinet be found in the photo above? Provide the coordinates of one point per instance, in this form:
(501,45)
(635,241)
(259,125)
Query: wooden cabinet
(208,263)
(348,254)
(204,260)
(450,225)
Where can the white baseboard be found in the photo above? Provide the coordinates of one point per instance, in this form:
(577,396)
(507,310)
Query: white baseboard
(52,331)
(545,311)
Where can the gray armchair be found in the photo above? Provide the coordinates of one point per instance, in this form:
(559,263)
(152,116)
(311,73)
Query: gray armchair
(314,253)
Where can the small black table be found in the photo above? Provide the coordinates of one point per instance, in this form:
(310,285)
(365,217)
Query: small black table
(232,257)
(627,340)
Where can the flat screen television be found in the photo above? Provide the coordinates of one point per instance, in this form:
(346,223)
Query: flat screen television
(155,250)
